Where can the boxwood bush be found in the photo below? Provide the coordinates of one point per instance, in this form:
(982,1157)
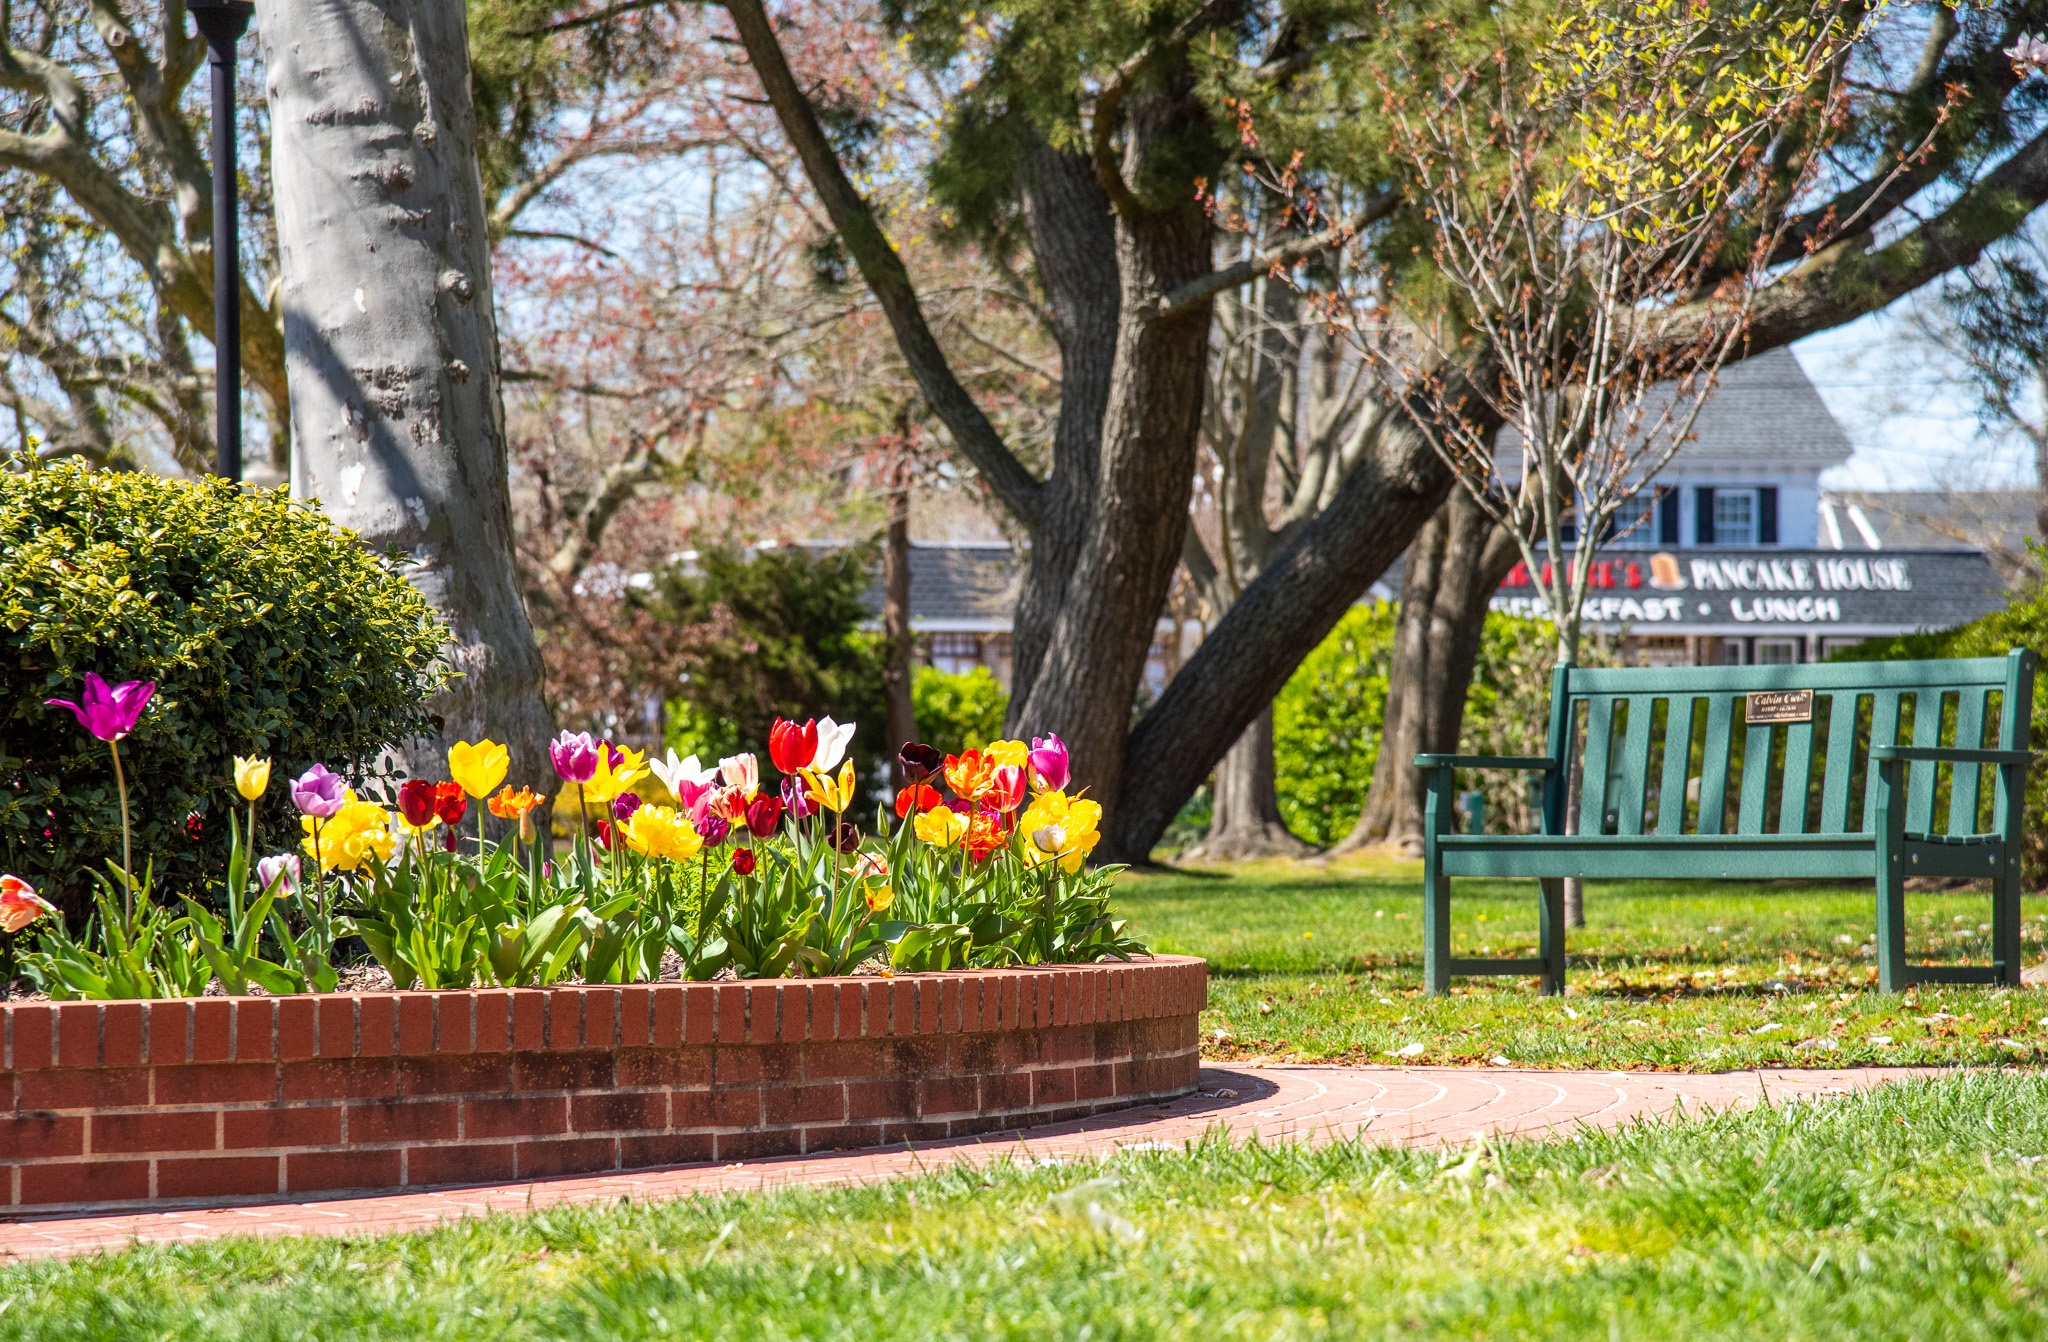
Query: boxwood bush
(268,629)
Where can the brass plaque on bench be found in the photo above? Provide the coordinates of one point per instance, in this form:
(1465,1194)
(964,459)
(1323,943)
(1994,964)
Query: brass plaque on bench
(1767,706)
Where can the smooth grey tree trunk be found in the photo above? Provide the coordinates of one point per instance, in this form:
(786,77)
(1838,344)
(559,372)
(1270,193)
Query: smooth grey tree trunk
(390,340)
(896,686)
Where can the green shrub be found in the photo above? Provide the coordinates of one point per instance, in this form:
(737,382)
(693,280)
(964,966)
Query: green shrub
(773,633)
(958,711)
(268,630)
(1326,725)
(2023,624)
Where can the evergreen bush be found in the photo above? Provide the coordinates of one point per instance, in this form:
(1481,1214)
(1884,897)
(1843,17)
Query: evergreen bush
(267,629)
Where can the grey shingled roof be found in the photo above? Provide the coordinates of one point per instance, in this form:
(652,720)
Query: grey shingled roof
(969,586)
(1763,409)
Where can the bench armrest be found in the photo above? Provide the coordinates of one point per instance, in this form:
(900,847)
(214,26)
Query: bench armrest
(1950,755)
(1532,763)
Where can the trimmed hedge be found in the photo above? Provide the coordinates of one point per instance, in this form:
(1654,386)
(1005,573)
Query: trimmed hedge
(269,631)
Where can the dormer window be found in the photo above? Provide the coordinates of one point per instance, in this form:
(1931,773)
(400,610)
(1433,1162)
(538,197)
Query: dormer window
(1735,517)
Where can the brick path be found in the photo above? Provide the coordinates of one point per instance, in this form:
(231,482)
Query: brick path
(1418,1106)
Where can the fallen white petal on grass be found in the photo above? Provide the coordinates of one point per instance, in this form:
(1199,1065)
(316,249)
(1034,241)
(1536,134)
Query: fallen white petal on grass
(1498,1061)
(1408,1051)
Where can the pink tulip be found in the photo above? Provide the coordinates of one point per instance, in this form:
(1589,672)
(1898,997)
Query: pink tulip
(319,793)
(109,712)
(1049,762)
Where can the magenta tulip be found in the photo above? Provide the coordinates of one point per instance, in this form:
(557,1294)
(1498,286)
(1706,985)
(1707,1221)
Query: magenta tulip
(109,711)
(1049,762)
(574,755)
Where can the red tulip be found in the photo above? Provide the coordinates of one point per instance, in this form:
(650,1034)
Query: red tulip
(918,797)
(764,813)
(743,861)
(792,747)
(1005,788)
(450,802)
(416,802)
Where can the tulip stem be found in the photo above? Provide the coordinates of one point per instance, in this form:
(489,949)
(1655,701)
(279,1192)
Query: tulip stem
(127,848)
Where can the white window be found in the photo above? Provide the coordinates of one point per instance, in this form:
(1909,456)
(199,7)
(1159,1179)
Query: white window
(955,653)
(1777,651)
(1735,517)
(1734,652)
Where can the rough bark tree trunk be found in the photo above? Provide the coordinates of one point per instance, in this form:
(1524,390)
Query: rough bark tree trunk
(902,709)
(391,343)
(1455,567)
(1247,821)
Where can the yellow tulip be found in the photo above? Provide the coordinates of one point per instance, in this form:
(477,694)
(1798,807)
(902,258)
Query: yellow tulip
(834,794)
(660,831)
(479,768)
(252,777)
(359,831)
(612,779)
(880,897)
(1059,828)
(941,827)
(1006,754)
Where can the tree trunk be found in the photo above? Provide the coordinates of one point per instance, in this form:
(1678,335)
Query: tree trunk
(391,345)
(1279,619)
(902,723)
(1455,567)
(1102,628)
(1247,822)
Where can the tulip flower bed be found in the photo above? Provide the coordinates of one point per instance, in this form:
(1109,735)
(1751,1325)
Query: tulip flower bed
(933,975)
(736,878)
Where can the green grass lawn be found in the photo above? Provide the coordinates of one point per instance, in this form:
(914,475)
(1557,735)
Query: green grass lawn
(1915,1211)
(1324,964)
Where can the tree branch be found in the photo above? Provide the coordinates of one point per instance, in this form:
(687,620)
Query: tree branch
(883,270)
(1196,292)
(1102,120)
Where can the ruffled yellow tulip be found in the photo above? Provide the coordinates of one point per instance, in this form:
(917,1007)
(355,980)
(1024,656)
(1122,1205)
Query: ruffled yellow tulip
(1059,828)
(359,831)
(834,794)
(1006,754)
(659,831)
(940,827)
(617,770)
(479,768)
(252,777)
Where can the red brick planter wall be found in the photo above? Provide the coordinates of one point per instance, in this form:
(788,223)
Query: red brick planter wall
(220,1098)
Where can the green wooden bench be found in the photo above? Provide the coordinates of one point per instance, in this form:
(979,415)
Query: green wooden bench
(1761,772)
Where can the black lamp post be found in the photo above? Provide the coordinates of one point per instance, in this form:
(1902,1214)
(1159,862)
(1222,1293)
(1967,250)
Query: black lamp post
(222,23)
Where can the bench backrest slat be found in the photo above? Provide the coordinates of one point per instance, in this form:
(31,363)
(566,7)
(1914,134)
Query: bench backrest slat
(1962,795)
(1788,778)
(1671,798)
(1798,778)
(1714,764)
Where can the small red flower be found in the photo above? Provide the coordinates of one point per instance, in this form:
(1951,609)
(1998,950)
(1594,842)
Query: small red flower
(743,861)
(450,802)
(604,835)
(195,825)
(448,838)
(764,813)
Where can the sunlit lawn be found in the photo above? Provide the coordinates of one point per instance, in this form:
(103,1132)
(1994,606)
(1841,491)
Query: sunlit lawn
(1915,1211)
(1324,963)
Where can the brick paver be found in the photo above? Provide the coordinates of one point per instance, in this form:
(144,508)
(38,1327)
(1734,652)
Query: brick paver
(1417,1106)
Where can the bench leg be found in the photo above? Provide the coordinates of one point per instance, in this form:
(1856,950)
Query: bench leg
(1891,923)
(2006,921)
(1552,938)
(1436,928)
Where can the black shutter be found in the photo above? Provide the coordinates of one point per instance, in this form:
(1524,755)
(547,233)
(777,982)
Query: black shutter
(1767,515)
(1703,516)
(1667,515)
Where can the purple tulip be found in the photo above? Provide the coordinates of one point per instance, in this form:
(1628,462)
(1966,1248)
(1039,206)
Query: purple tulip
(624,805)
(269,869)
(797,800)
(1048,758)
(712,827)
(319,793)
(108,711)
(574,755)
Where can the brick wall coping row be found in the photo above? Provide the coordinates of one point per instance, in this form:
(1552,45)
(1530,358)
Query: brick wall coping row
(169,1032)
